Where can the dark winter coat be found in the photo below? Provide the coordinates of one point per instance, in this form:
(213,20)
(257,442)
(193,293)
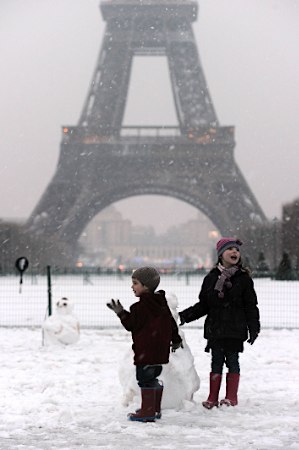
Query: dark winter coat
(228,318)
(153,328)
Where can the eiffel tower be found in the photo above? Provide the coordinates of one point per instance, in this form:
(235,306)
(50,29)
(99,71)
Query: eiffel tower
(102,162)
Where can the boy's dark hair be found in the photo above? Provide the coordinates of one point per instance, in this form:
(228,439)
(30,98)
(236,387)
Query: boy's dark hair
(148,276)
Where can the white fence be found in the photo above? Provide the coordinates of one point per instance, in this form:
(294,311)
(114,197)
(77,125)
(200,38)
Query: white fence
(278,300)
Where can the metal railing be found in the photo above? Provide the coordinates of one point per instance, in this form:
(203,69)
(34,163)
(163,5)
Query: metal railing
(90,291)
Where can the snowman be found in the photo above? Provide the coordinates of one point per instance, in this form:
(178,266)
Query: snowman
(179,376)
(62,327)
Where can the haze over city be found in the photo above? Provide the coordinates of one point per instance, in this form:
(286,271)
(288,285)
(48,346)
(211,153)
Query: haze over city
(249,54)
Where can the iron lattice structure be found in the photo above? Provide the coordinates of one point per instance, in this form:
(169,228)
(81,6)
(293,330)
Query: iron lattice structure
(101,163)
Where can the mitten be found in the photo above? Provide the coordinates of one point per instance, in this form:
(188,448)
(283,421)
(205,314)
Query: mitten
(116,306)
(252,337)
(175,346)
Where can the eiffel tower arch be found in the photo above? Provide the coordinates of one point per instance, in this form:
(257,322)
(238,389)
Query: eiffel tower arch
(102,162)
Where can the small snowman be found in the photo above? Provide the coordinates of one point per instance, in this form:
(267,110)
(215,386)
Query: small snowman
(62,327)
(179,376)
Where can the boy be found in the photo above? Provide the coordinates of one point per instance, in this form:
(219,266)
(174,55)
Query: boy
(154,331)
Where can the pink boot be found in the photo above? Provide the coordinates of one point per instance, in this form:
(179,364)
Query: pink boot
(232,384)
(215,382)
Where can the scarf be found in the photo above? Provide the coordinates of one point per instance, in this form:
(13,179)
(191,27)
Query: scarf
(224,279)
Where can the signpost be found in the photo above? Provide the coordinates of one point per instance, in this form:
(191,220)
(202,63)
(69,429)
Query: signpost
(21,264)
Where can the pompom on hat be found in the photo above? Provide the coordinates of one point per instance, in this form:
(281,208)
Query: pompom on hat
(227,242)
(148,276)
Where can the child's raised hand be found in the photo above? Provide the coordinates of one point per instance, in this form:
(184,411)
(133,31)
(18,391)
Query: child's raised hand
(116,306)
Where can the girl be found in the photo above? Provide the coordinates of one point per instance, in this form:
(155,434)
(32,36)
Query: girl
(229,301)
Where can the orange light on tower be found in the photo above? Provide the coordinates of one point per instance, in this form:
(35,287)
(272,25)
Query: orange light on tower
(214,234)
(79,264)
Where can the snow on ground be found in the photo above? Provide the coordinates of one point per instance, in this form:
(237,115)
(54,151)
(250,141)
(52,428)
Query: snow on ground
(69,397)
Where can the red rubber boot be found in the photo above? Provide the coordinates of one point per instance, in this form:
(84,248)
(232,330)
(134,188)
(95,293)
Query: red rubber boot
(148,405)
(159,393)
(215,383)
(232,385)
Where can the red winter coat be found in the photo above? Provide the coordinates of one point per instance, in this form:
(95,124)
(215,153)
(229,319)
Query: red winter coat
(153,328)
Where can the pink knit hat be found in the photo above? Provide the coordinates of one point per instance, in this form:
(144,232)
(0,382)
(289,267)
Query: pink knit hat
(227,242)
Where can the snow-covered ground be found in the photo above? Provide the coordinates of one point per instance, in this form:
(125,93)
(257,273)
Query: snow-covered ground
(69,397)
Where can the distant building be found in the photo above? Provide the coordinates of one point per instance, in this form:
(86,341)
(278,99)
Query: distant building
(105,237)
(109,240)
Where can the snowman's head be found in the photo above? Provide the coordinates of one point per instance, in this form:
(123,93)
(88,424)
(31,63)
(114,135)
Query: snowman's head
(64,306)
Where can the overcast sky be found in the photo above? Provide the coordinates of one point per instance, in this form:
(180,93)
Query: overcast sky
(249,51)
